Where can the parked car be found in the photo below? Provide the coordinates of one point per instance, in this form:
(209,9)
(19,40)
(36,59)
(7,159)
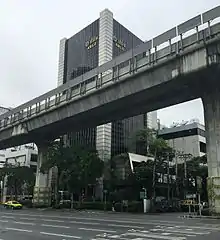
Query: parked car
(13,205)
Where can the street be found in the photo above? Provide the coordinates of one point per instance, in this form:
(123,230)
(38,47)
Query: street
(40,225)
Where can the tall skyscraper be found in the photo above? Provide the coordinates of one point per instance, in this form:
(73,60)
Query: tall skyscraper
(93,46)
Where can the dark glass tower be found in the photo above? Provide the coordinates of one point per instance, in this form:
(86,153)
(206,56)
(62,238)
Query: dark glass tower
(96,44)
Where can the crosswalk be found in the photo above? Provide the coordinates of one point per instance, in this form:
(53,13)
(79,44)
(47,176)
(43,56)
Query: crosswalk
(159,233)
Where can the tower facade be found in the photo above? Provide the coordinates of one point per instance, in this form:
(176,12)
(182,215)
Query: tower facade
(96,44)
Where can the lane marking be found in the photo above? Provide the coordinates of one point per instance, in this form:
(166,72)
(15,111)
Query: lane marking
(5,221)
(97,230)
(125,226)
(52,220)
(60,235)
(154,236)
(198,227)
(19,230)
(7,217)
(25,223)
(85,223)
(157,222)
(32,219)
(180,231)
(55,226)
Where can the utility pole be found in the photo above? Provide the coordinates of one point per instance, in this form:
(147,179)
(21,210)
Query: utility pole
(168,177)
(185,157)
(176,171)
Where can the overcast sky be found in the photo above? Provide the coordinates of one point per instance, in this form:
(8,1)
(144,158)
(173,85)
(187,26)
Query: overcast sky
(30,31)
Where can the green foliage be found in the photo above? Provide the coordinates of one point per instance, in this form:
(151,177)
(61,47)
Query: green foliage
(86,205)
(77,167)
(20,179)
(84,168)
(145,173)
(133,207)
(197,171)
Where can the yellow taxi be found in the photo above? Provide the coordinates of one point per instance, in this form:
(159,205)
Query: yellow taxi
(13,205)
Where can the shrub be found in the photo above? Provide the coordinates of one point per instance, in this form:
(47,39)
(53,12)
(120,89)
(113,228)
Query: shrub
(95,205)
(85,205)
(27,203)
(206,212)
(135,206)
(118,207)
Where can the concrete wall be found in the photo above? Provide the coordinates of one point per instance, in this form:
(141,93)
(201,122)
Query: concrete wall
(186,145)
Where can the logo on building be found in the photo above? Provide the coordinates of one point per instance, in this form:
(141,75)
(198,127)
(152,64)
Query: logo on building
(119,43)
(92,42)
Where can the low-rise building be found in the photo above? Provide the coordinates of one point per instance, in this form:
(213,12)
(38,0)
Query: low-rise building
(2,158)
(187,138)
(25,155)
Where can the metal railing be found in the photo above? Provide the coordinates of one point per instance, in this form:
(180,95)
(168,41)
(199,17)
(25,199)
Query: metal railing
(142,57)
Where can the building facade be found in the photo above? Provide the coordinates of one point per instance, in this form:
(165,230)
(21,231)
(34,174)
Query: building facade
(93,46)
(25,155)
(3,110)
(186,139)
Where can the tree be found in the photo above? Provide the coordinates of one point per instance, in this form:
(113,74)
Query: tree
(57,157)
(143,140)
(77,167)
(158,148)
(20,179)
(143,174)
(197,173)
(83,171)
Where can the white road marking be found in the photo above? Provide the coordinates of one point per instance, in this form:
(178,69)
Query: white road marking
(25,223)
(154,236)
(52,220)
(120,220)
(178,231)
(5,221)
(85,223)
(97,230)
(55,226)
(125,226)
(7,217)
(19,230)
(60,235)
(151,222)
(32,219)
(198,227)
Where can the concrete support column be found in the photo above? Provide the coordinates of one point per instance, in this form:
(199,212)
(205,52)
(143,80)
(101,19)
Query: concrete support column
(211,103)
(42,189)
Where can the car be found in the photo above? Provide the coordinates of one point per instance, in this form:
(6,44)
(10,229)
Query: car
(13,205)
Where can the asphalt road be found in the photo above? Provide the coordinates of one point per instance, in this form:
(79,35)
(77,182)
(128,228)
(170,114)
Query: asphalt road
(48,225)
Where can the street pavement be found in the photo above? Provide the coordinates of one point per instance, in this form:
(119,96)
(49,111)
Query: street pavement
(48,225)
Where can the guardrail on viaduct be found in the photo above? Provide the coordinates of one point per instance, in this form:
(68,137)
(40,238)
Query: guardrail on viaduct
(111,72)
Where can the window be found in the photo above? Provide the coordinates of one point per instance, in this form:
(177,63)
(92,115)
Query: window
(202,147)
(33,157)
